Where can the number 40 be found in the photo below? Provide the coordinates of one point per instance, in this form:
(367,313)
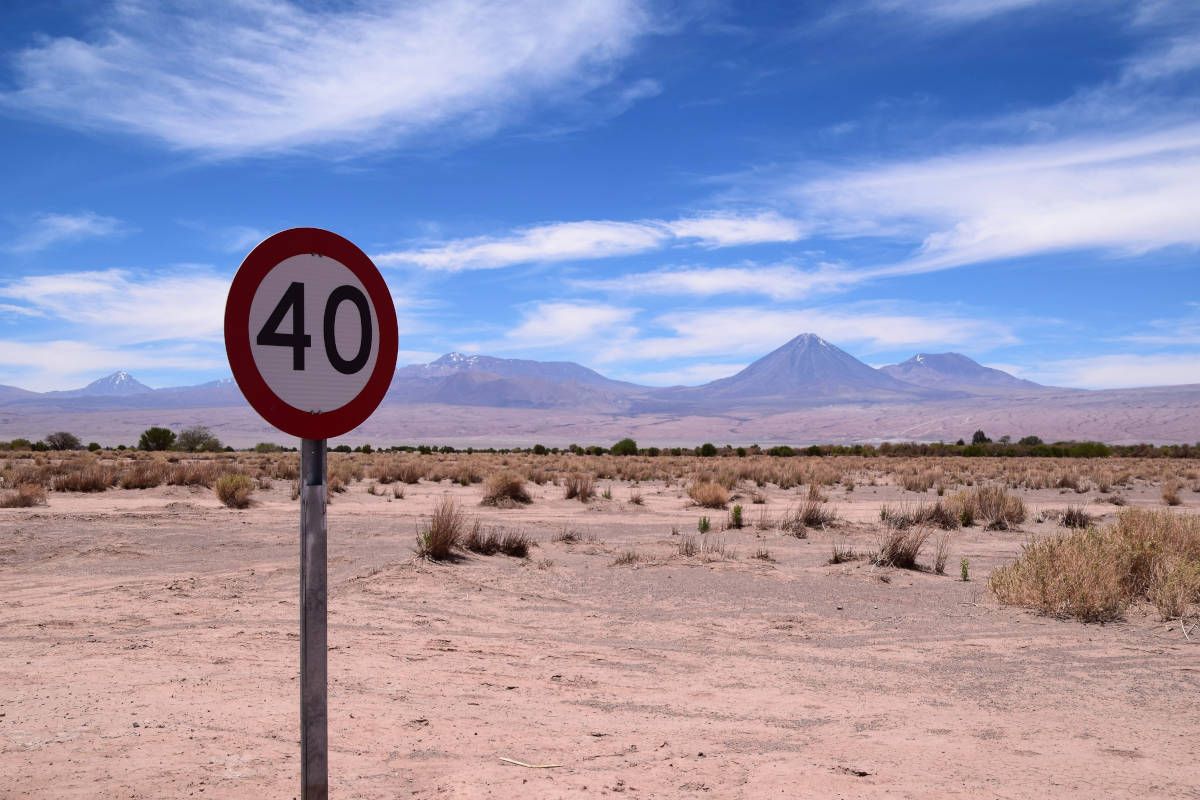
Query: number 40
(299,341)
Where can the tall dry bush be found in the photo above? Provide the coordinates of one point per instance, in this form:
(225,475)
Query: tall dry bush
(505,489)
(708,494)
(1095,574)
(438,538)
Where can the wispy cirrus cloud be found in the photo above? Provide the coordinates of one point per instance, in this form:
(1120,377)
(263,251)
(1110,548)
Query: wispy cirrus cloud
(1124,194)
(229,78)
(552,324)
(125,307)
(46,230)
(776,281)
(752,331)
(593,239)
(1120,370)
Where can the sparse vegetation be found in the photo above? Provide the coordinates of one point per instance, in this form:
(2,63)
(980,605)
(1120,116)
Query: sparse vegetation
(579,487)
(491,540)
(842,552)
(233,489)
(708,494)
(1075,517)
(901,547)
(25,495)
(1095,574)
(506,489)
(442,534)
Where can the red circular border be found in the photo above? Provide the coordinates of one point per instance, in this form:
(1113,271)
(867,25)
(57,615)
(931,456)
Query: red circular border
(264,258)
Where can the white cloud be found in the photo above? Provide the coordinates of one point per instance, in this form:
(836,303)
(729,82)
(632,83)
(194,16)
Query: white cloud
(956,10)
(689,375)
(119,306)
(754,331)
(1120,371)
(591,239)
(61,363)
(550,325)
(1122,194)
(724,230)
(46,230)
(232,78)
(778,282)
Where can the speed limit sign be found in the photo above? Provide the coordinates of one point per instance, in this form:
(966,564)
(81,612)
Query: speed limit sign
(310,330)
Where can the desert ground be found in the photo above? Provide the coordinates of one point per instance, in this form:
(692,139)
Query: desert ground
(150,642)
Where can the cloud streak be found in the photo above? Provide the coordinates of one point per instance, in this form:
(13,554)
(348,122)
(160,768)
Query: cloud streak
(229,78)
(595,239)
(47,230)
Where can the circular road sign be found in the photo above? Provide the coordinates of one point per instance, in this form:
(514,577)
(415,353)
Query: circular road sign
(310,331)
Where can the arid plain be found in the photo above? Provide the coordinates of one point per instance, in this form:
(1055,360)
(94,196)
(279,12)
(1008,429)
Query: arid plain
(150,635)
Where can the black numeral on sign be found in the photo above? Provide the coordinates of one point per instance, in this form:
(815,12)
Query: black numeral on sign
(336,298)
(299,341)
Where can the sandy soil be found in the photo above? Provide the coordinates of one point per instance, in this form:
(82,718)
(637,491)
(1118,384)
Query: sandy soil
(150,651)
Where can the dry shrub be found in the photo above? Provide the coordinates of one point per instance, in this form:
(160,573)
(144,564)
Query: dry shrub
(627,558)
(1094,574)
(90,478)
(197,473)
(505,489)
(904,515)
(144,475)
(489,541)
(900,547)
(234,489)
(708,494)
(635,498)
(992,504)
(1170,493)
(26,495)
(1075,517)
(842,552)
(811,513)
(579,486)
(438,538)
(336,485)
(941,553)
(687,546)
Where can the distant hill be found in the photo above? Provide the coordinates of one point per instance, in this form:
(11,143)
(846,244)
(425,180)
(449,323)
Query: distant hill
(956,372)
(807,370)
(457,379)
(118,384)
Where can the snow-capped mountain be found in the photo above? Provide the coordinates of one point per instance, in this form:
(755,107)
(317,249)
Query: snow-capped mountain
(956,372)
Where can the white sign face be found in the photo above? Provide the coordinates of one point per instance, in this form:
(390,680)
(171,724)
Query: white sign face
(314,333)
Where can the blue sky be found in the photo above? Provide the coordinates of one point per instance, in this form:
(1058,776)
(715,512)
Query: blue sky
(661,191)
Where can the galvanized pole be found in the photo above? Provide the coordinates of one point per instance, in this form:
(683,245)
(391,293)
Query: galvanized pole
(314,742)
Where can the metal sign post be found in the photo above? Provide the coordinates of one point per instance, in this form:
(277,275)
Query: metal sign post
(310,331)
(314,741)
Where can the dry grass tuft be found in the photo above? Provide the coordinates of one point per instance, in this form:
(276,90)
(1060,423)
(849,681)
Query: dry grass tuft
(26,495)
(144,475)
(1076,517)
(842,552)
(489,541)
(1170,493)
(443,533)
(627,558)
(579,486)
(1095,574)
(505,489)
(991,504)
(900,547)
(89,478)
(708,494)
(234,489)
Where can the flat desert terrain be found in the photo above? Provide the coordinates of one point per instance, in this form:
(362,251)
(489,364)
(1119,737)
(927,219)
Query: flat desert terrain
(150,650)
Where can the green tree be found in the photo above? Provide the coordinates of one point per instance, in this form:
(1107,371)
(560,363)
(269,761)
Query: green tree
(197,439)
(156,438)
(707,450)
(1030,441)
(979,437)
(62,440)
(625,447)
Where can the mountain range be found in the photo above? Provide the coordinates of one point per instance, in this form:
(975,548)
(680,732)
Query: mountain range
(806,371)
(806,390)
